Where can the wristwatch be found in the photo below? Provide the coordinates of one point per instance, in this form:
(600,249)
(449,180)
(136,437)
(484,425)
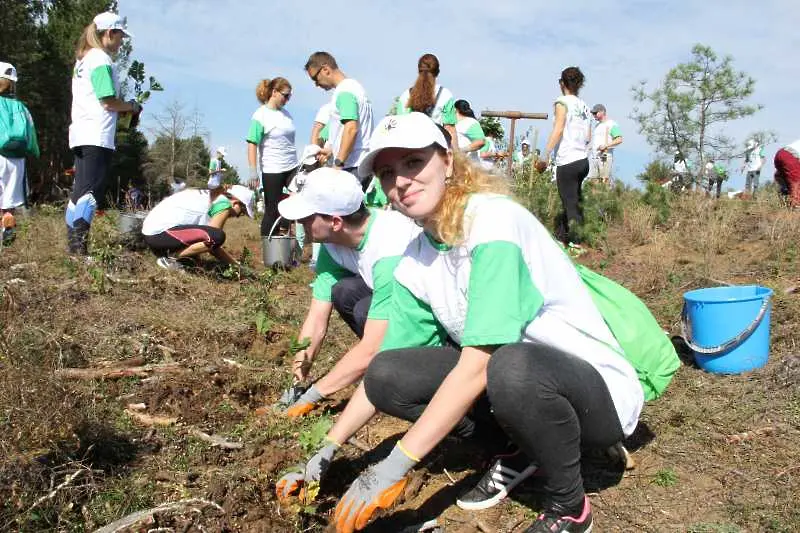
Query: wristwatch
(338,162)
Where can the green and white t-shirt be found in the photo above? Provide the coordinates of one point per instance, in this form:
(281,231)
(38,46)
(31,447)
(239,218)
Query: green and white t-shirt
(324,117)
(375,258)
(272,130)
(443,112)
(93,78)
(572,146)
(754,158)
(350,102)
(221,203)
(604,133)
(508,282)
(469,130)
(187,207)
(488,148)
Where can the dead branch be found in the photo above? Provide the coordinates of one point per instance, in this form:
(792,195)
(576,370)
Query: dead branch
(124,363)
(216,441)
(139,516)
(738,438)
(450,477)
(49,496)
(118,373)
(123,281)
(149,420)
(236,364)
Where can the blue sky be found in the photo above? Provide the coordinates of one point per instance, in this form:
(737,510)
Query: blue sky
(506,55)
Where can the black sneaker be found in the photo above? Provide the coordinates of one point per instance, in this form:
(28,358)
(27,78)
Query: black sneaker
(506,472)
(552,520)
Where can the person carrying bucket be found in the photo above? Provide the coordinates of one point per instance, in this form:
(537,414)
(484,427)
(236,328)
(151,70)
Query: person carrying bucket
(189,223)
(493,335)
(360,250)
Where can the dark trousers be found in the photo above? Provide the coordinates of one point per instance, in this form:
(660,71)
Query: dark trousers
(569,179)
(351,299)
(273,185)
(88,194)
(548,402)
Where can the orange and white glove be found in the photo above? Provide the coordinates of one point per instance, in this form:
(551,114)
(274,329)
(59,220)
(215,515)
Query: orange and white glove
(298,479)
(305,403)
(378,487)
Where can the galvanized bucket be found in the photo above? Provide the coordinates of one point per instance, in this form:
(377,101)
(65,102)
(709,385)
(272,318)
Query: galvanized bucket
(131,222)
(278,251)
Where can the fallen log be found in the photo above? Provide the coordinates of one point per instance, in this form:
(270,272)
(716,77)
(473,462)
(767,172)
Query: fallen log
(216,441)
(118,373)
(151,420)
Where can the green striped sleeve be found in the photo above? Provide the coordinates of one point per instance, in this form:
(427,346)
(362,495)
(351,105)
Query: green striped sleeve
(615,131)
(220,204)
(103,82)
(411,322)
(324,133)
(503,299)
(256,132)
(475,132)
(328,273)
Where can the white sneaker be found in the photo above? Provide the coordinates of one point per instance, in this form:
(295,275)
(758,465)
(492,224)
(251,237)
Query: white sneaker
(169,263)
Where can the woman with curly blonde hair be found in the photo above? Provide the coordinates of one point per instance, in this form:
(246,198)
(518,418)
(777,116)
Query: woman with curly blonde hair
(492,335)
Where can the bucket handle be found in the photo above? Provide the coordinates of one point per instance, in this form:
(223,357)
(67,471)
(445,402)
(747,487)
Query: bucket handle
(686,332)
(272,229)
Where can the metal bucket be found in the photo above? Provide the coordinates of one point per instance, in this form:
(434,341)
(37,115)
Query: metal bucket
(278,250)
(131,222)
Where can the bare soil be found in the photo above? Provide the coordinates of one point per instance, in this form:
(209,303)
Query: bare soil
(715,454)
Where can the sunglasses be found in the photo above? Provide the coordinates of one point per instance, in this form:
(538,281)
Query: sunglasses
(315,76)
(286,95)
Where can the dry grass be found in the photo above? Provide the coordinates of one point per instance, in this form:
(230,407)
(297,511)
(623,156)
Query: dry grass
(63,314)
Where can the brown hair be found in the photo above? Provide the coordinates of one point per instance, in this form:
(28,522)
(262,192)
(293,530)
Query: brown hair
(356,218)
(90,38)
(573,79)
(422,96)
(467,179)
(320,59)
(266,87)
(7,86)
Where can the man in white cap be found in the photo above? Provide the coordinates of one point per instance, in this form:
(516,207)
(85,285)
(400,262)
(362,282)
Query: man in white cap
(605,137)
(361,248)
(522,156)
(215,168)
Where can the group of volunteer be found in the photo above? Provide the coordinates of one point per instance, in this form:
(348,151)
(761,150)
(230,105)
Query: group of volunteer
(472,320)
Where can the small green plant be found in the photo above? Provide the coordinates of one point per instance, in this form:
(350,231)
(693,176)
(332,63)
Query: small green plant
(98,276)
(665,477)
(312,437)
(263,323)
(296,344)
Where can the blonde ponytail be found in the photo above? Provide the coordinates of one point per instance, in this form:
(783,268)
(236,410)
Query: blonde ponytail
(90,38)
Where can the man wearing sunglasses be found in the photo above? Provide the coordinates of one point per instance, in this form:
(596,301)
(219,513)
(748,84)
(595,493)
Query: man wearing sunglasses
(605,137)
(351,113)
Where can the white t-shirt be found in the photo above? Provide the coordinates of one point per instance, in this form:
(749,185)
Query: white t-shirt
(323,115)
(272,130)
(469,130)
(189,206)
(755,158)
(604,133)
(443,111)
(525,290)
(572,146)
(350,102)
(93,78)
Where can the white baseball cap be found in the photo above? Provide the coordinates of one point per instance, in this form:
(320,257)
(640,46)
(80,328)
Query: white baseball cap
(413,131)
(525,142)
(222,151)
(112,21)
(327,191)
(309,156)
(244,195)
(8,71)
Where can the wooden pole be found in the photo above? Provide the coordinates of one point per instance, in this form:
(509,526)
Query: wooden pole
(514,116)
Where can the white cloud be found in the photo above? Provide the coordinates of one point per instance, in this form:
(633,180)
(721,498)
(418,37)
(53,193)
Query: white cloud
(503,54)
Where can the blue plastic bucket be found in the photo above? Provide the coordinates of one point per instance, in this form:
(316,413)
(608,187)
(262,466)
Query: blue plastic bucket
(728,327)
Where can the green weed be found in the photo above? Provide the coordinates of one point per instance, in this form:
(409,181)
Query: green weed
(665,478)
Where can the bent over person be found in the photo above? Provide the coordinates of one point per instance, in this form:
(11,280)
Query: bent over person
(532,346)
(354,275)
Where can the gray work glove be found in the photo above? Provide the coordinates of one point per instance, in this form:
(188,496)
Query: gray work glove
(298,479)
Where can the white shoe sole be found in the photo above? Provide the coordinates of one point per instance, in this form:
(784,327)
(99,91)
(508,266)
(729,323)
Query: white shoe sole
(497,498)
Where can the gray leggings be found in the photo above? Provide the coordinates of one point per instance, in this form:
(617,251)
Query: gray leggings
(548,402)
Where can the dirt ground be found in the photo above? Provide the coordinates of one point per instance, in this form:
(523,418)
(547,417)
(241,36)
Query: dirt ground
(210,346)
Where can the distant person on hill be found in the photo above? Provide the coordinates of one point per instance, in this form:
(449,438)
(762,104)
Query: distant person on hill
(715,174)
(568,142)
(270,142)
(787,172)
(753,162)
(523,155)
(605,137)
(489,154)
(469,132)
(17,140)
(351,114)
(426,96)
(360,250)
(96,104)
(216,171)
(190,222)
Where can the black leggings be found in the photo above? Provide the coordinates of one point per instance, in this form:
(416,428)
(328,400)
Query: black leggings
(91,173)
(351,298)
(569,179)
(179,237)
(547,401)
(273,184)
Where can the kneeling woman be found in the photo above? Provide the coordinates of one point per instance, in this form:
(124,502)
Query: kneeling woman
(190,222)
(486,277)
